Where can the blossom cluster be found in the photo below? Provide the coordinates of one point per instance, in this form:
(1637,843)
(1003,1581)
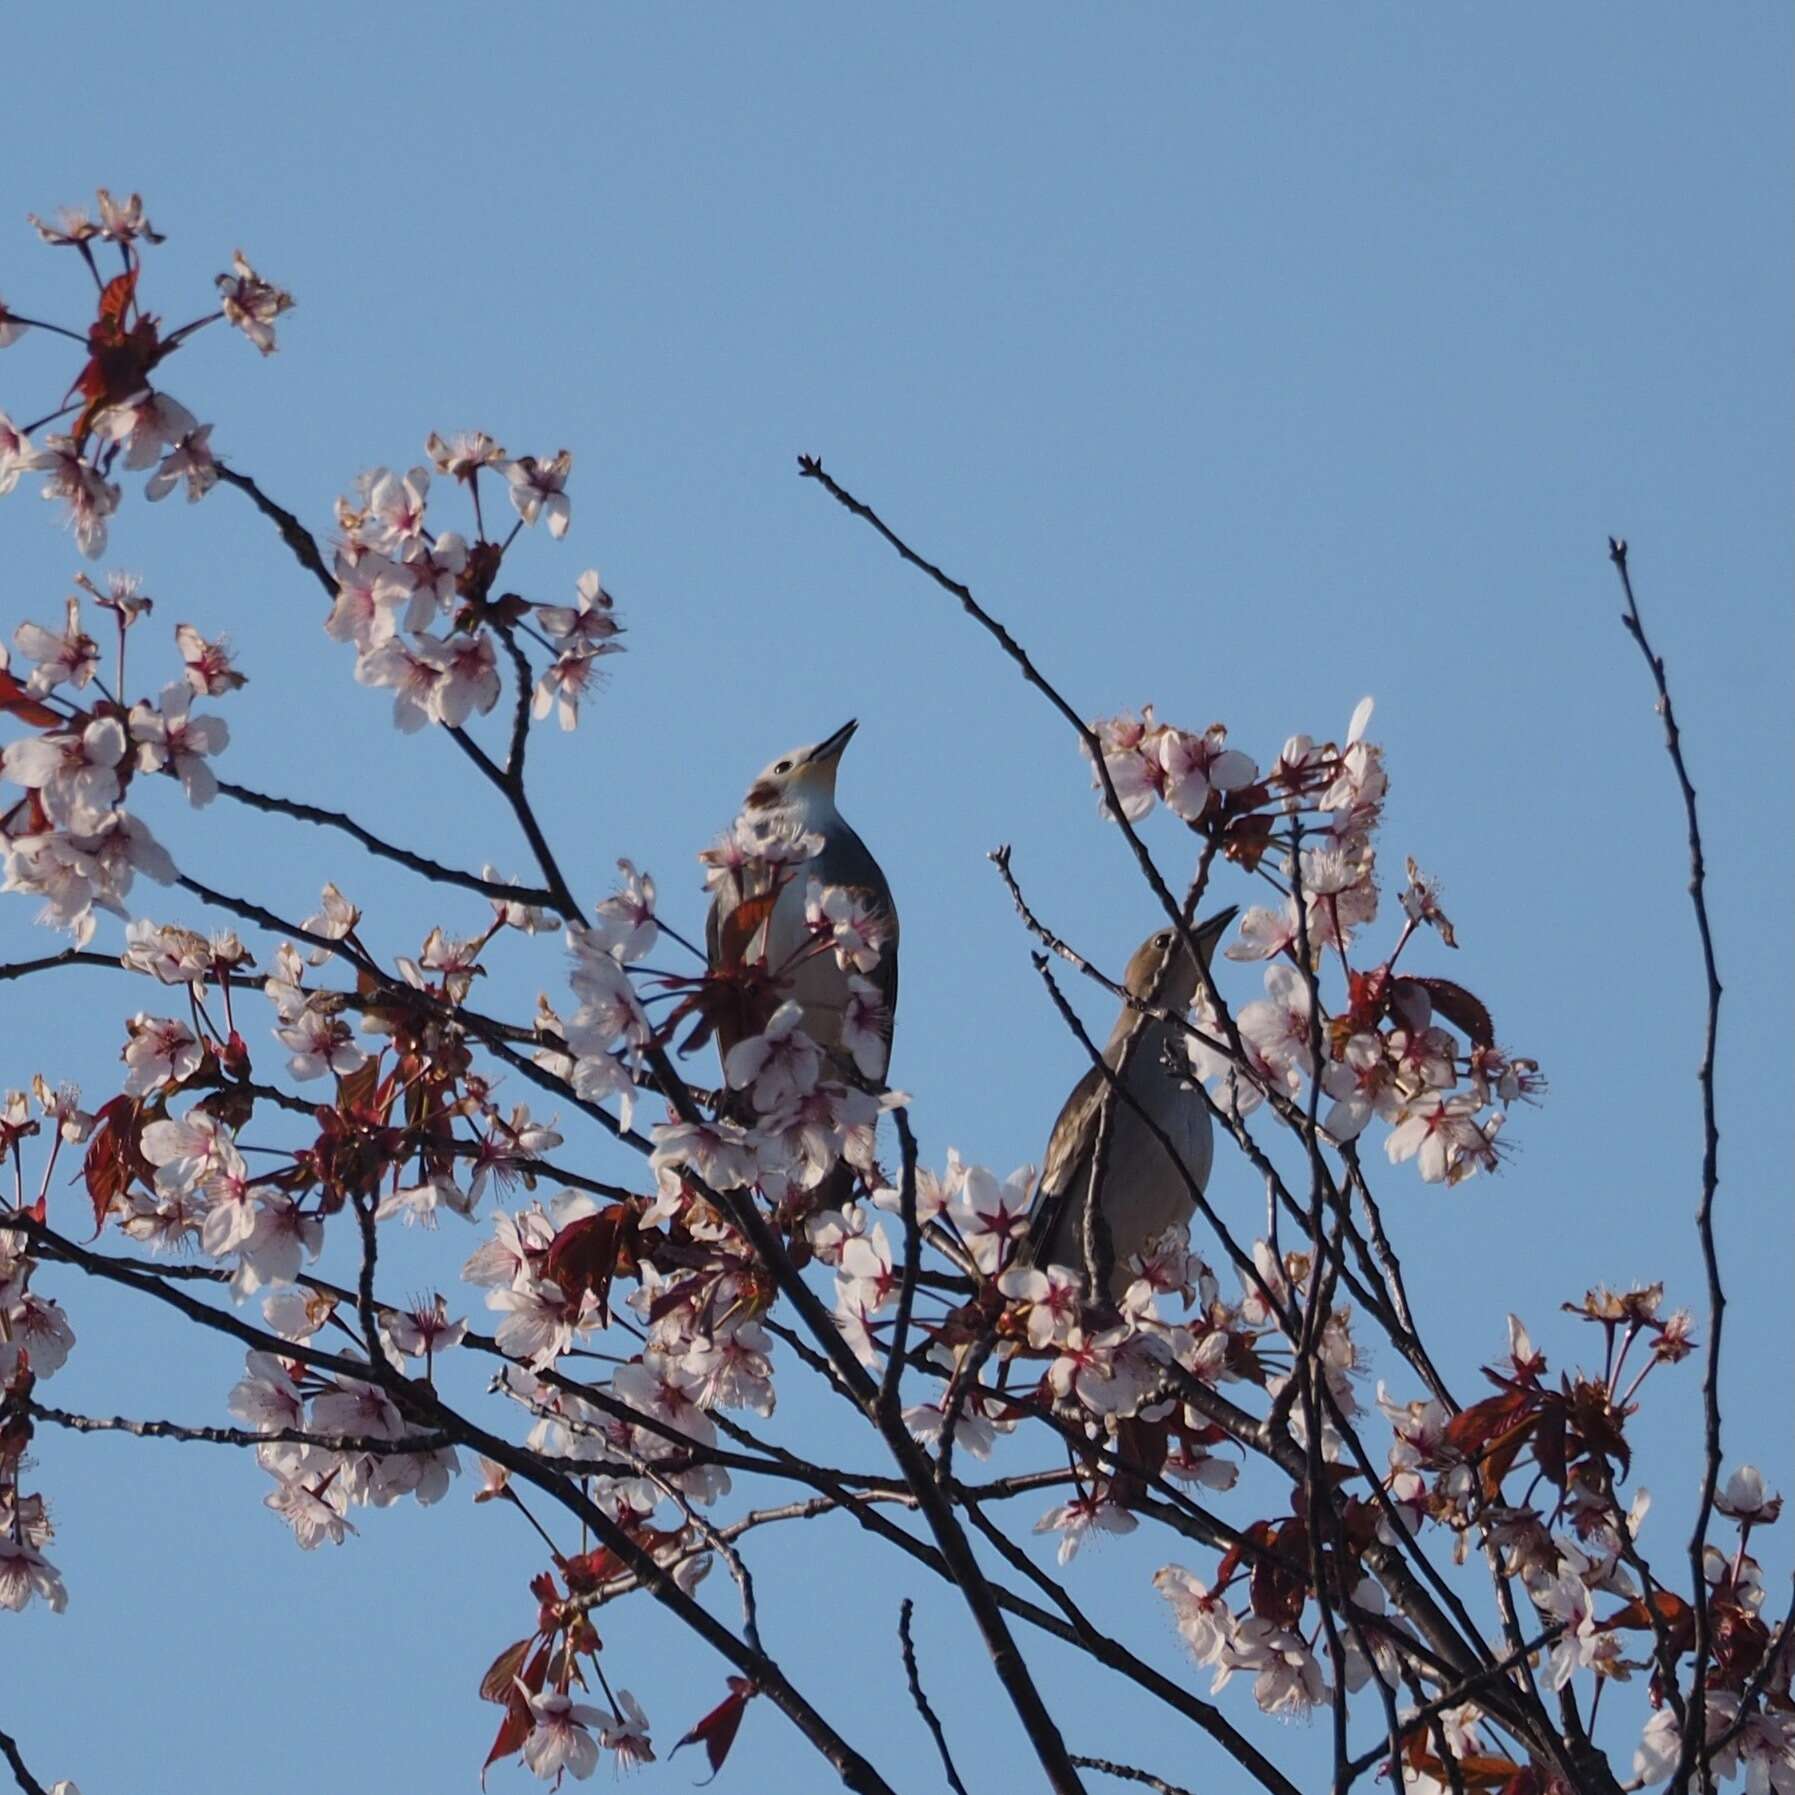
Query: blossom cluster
(70,840)
(122,420)
(1307,825)
(418,604)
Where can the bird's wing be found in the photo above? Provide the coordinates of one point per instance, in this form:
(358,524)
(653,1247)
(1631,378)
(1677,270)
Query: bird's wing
(1066,1171)
(847,861)
(713,933)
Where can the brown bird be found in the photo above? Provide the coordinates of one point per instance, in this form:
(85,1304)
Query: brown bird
(791,797)
(1143,1193)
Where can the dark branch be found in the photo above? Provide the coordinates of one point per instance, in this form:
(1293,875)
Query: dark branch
(418,863)
(1695,1732)
(930,1719)
(1129,1774)
(21,1771)
(292,532)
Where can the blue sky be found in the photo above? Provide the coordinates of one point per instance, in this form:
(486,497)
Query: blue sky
(1245,361)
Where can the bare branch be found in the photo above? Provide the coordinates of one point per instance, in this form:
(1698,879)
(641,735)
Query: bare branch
(1128,1773)
(421,864)
(930,1719)
(1695,1732)
(292,532)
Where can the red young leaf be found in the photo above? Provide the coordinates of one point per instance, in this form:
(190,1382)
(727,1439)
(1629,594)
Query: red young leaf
(717,1730)
(588,1253)
(740,927)
(14,698)
(497,1685)
(113,1156)
(587,1570)
(1461,1008)
(514,1729)
(1470,1430)
(115,301)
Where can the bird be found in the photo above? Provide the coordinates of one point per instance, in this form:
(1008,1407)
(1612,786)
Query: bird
(1143,1193)
(791,797)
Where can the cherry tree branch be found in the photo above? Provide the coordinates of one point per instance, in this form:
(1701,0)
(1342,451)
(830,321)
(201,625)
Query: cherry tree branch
(810,467)
(1694,1740)
(21,1771)
(293,533)
(190,1434)
(508,780)
(421,1402)
(1128,1773)
(421,864)
(930,1719)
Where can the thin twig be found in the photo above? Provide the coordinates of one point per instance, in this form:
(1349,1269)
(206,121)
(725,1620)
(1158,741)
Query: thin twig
(292,532)
(1695,1732)
(433,870)
(1128,1774)
(900,1331)
(930,1718)
(21,1771)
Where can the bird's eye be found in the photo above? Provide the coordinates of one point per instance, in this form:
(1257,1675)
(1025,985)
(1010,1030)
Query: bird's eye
(785,766)
(1164,940)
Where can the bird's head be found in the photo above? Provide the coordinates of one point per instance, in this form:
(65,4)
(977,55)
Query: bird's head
(801,781)
(1180,983)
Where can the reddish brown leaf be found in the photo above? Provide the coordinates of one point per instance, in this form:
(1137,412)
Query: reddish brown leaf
(1279,1584)
(113,1156)
(1677,1616)
(1461,1008)
(586,1570)
(355,1090)
(717,1730)
(1477,1770)
(1246,840)
(514,1729)
(588,1253)
(1597,1424)
(741,926)
(497,1685)
(14,698)
(1470,1430)
(115,301)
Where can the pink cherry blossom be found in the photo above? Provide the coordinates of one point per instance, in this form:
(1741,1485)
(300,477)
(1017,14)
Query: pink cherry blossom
(209,667)
(414,671)
(144,425)
(1194,767)
(589,622)
(396,502)
(189,459)
(564,682)
(469,681)
(90,498)
(778,1065)
(1076,1520)
(464,454)
(15,453)
(560,1740)
(314,1514)
(76,776)
(251,303)
(69,657)
(626,926)
(160,1051)
(267,1399)
(321,1044)
(168,737)
(26,1573)
(537,490)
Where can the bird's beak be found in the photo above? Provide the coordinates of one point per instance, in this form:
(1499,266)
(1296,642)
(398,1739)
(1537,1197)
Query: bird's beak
(830,749)
(1211,929)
